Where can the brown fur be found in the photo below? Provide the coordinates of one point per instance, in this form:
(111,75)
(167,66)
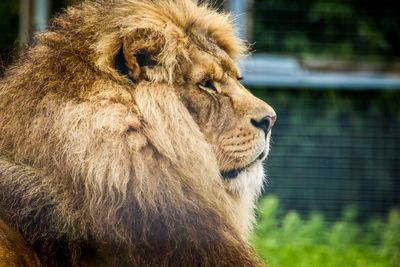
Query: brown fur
(14,252)
(111,148)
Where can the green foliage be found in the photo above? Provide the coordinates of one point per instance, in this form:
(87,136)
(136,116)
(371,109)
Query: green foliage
(328,28)
(288,240)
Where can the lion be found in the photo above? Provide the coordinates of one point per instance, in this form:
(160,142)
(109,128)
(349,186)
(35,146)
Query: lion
(127,139)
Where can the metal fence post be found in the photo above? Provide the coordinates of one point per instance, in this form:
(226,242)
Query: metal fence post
(34,15)
(25,21)
(241,9)
(41,15)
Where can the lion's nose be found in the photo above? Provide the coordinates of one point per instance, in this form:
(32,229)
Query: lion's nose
(265,123)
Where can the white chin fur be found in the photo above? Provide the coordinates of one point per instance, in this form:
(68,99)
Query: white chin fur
(249,181)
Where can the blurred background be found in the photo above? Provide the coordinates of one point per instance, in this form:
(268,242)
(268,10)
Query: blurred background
(331,70)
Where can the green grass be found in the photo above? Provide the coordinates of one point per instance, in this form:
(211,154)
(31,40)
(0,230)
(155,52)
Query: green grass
(291,241)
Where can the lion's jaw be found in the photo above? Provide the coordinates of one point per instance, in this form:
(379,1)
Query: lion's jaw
(249,180)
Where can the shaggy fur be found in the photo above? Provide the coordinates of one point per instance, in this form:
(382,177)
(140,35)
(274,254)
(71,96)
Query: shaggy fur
(112,143)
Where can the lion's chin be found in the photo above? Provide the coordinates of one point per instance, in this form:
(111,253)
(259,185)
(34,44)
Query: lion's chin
(234,173)
(248,181)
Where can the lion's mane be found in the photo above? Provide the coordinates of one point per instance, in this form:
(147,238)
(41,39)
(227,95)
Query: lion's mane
(96,171)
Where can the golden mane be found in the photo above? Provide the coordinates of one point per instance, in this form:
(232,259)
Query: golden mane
(94,167)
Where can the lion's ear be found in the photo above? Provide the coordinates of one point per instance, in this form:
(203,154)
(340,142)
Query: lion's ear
(140,50)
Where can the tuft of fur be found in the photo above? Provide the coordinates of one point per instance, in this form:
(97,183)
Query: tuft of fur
(97,169)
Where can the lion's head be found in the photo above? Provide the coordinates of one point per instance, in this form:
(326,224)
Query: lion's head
(126,128)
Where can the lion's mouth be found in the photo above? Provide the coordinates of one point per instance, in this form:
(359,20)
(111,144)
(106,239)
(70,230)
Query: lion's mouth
(234,173)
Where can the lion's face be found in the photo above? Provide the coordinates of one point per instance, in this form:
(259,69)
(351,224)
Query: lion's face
(207,80)
(236,124)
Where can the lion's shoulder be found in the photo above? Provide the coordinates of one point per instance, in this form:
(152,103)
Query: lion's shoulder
(14,251)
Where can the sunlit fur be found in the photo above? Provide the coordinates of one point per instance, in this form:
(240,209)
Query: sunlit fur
(101,168)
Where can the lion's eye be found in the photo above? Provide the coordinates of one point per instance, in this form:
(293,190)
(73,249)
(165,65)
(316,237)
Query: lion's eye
(240,78)
(208,84)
